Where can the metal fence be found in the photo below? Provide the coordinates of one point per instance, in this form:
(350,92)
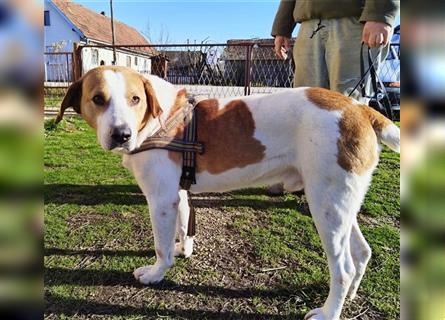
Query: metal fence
(389,69)
(218,70)
(214,70)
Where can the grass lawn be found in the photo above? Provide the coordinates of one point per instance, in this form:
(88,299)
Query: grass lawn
(54,96)
(98,231)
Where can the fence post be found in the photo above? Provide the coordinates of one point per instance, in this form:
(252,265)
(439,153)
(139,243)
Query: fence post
(77,61)
(67,58)
(247,66)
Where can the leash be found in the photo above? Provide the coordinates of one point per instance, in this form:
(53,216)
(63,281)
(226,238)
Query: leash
(188,146)
(375,80)
(371,63)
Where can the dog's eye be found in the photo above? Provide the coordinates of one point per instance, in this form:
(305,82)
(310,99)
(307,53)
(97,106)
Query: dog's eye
(135,100)
(99,100)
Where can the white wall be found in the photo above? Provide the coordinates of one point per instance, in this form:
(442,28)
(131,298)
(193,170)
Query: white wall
(59,30)
(107,56)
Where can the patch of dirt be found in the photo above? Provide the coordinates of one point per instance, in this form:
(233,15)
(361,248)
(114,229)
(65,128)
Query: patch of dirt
(368,220)
(222,280)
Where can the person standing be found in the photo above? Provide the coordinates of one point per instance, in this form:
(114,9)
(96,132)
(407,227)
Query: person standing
(327,49)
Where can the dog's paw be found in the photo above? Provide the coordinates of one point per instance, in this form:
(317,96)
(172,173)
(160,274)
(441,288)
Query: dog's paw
(179,249)
(185,248)
(316,314)
(149,274)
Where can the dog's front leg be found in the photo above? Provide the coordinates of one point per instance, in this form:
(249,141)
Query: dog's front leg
(185,245)
(163,214)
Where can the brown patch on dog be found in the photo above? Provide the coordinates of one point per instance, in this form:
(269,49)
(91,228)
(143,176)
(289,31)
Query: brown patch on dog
(327,99)
(227,135)
(357,145)
(359,124)
(71,99)
(153,108)
(181,99)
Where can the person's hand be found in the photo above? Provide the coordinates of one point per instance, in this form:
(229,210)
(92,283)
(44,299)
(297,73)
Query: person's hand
(375,34)
(282,45)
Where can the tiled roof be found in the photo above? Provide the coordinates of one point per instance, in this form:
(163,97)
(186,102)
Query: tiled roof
(96,26)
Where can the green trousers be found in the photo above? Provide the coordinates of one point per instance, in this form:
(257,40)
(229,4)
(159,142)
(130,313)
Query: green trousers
(327,54)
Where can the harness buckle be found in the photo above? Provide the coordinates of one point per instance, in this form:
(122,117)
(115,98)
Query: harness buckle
(188,177)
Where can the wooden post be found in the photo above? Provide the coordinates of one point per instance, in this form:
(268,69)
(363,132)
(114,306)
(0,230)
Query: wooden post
(77,61)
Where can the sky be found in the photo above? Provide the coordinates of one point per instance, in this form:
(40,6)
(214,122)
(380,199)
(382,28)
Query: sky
(213,20)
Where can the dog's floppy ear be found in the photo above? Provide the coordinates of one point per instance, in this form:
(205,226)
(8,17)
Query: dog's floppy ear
(153,107)
(71,99)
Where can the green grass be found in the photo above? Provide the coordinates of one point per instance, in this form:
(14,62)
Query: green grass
(98,231)
(54,96)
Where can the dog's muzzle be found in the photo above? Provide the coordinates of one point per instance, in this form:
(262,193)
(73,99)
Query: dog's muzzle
(121,134)
(120,137)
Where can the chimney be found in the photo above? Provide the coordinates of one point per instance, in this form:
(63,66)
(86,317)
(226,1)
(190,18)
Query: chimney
(103,13)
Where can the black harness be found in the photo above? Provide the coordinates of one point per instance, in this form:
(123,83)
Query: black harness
(188,146)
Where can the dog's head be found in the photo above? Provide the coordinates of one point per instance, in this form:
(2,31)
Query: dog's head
(116,101)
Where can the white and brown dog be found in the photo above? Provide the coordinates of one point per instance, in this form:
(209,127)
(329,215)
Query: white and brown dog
(307,138)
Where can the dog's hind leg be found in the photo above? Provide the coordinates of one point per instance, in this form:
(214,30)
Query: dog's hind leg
(185,245)
(361,253)
(334,203)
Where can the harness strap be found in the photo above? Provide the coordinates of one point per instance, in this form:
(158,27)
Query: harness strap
(191,226)
(171,144)
(179,117)
(188,176)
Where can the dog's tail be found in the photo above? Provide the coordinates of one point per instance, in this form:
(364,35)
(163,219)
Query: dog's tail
(387,132)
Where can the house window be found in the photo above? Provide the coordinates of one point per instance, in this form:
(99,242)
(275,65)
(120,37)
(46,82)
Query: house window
(46,20)
(129,61)
(135,61)
(95,57)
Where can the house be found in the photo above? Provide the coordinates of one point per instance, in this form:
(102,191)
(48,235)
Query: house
(266,70)
(67,23)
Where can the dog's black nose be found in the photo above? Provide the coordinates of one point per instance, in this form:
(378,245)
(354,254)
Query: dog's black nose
(121,134)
